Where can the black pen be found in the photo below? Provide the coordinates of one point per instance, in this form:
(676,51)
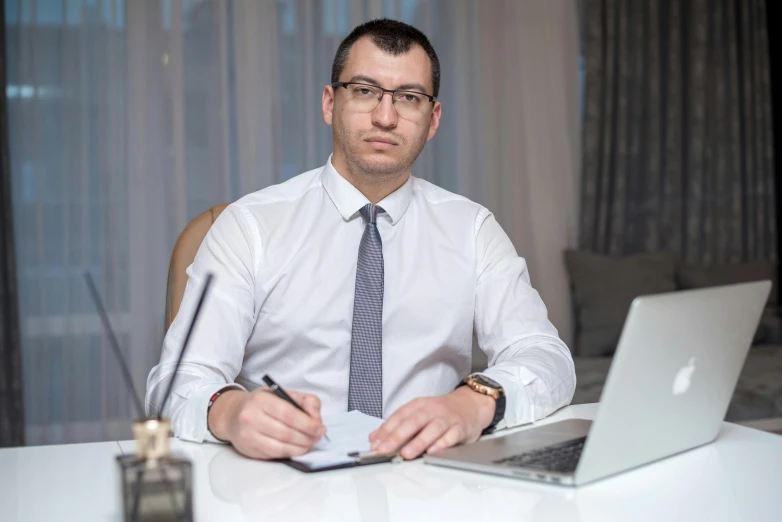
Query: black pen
(279,392)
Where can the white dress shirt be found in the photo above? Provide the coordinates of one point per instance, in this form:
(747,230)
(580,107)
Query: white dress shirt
(284,260)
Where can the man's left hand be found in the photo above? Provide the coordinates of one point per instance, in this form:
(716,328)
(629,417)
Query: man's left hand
(434,423)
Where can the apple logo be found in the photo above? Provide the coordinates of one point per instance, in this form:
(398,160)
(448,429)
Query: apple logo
(681,383)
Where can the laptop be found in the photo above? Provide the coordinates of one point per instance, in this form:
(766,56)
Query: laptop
(667,391)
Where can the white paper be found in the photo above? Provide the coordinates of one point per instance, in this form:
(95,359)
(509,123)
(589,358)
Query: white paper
(348,432)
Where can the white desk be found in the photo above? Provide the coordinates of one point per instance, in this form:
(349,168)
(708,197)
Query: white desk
(739,477)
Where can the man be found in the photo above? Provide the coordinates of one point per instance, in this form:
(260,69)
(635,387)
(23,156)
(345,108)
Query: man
(358,286)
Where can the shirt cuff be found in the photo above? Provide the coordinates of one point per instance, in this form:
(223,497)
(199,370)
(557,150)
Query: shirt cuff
(200,401)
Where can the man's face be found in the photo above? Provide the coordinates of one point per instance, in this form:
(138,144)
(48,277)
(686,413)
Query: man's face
(381,144)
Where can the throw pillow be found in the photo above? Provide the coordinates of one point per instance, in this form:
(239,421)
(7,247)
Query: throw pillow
(692,276)
(702,276)
(603,288)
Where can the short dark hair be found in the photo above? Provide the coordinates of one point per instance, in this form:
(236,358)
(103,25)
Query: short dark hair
(391,36)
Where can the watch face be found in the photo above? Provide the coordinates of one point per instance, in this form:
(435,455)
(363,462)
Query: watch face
(482,379)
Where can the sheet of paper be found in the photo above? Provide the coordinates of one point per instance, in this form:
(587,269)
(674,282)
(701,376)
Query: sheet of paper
(347,432)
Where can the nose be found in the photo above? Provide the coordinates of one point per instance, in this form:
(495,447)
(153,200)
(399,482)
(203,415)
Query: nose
(385,115)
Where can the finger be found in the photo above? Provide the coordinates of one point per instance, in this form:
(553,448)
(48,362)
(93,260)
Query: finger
(293,417)
(275,429)
(255,421)
(387,428)
(264,447)
(405,431)
(436,428)
(393,422)
(452,437)
(309,402)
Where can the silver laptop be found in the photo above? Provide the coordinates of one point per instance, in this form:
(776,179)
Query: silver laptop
(667,391)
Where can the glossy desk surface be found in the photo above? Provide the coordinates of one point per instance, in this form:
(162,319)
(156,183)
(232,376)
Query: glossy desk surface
(738,477)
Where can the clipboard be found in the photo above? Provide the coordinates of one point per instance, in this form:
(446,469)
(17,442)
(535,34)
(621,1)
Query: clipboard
(358,459)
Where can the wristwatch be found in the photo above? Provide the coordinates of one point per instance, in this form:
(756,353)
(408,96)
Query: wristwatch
(482,384)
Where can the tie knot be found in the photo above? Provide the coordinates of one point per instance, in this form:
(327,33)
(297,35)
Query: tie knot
(370,212)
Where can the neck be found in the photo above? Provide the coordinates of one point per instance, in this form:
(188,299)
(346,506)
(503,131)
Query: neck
(375,188)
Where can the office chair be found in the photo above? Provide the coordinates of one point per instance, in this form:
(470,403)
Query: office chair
(184,252)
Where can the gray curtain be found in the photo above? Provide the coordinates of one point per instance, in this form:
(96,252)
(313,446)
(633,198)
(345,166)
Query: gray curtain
(677,130)
(11,412)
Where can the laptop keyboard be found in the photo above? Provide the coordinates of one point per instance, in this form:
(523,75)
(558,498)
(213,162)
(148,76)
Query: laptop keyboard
(561,457)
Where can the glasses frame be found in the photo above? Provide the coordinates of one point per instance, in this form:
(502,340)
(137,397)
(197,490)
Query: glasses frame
(432,99)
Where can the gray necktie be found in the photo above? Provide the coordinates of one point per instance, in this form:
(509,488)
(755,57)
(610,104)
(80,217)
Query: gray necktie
(365,392)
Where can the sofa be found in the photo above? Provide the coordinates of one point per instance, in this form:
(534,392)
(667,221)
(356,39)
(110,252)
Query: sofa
(603,287)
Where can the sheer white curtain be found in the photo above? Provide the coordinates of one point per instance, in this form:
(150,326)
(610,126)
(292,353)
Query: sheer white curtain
(129,118)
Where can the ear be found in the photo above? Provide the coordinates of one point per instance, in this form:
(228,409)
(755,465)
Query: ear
(327,104)
(434,122)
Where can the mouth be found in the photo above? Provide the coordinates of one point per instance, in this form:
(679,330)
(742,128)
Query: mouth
(381,143)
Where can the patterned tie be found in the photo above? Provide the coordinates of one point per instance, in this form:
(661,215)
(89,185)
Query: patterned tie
(365,392)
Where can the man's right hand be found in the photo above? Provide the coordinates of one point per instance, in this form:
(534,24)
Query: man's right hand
(260,425)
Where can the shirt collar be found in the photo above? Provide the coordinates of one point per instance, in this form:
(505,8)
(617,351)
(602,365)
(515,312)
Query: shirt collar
(349,200)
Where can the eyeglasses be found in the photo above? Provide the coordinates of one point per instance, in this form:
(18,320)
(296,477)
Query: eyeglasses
(365,97)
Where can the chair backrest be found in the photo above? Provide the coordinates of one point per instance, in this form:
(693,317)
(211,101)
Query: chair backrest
(184,252)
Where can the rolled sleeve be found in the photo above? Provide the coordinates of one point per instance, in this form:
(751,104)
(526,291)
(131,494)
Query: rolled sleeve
(217,345)
(526,356)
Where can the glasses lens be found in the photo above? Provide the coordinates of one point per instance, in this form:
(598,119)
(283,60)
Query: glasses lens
(410,105)
(363,98)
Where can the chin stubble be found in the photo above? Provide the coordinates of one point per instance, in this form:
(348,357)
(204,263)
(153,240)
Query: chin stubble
(381,172)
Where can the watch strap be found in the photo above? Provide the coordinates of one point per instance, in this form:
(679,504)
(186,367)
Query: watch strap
(499,414)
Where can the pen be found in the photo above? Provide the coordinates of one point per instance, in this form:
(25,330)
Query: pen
(279,392)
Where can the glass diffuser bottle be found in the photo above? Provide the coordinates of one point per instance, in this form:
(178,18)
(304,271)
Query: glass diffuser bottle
(156,486)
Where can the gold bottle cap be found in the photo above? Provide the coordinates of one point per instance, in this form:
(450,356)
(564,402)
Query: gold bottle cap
(151,436)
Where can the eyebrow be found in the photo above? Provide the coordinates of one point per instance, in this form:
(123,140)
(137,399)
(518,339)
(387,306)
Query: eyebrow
(406,86)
